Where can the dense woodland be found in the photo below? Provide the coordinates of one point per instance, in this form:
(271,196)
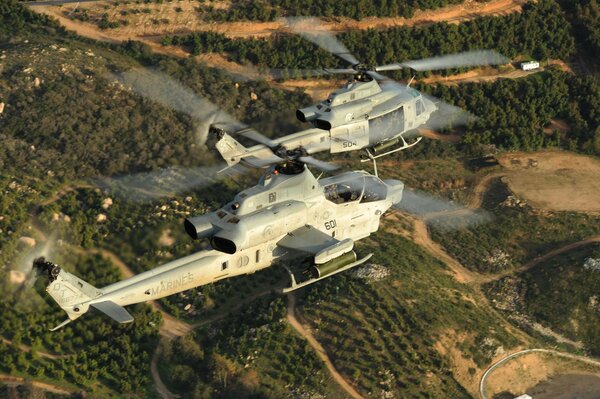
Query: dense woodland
(540,31)
(512,114)
(585,16)
(268,10)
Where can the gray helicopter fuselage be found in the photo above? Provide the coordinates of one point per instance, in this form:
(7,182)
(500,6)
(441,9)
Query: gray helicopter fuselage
(360,115)
(247,234)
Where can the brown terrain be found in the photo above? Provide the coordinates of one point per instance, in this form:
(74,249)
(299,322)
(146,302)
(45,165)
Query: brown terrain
(188,19)
(554,180)
(143,27)
(525,373)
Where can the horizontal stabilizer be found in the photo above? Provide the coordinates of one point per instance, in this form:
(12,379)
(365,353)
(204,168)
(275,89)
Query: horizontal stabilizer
(61,325)
(114,311)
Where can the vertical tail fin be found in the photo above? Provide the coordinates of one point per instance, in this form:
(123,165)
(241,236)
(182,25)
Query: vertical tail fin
(70,292)
(231,151)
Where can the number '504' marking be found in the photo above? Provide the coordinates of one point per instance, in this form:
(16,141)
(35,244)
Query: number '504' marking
(331,224)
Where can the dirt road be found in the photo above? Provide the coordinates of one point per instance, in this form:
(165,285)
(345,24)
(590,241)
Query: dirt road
(291,318)
(12,381)
(183,19)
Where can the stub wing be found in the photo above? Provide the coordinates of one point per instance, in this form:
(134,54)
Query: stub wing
(312,241)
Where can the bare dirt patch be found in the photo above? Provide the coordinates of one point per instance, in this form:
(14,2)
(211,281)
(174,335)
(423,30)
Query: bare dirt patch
(557,125)
(554,180)
(317,89)
(447,347)
(521,374)
(166,239)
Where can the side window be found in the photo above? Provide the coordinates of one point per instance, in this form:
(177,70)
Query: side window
(224,265)
(420,107)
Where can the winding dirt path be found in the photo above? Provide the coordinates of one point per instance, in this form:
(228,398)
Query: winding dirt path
(306,334)
(27,348)
(540,259)
(159,385)
(12,381)
(142,29)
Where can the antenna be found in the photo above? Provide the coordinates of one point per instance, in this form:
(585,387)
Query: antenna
(410,81)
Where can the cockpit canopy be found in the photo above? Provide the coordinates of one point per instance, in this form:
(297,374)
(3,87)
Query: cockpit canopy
(354,186)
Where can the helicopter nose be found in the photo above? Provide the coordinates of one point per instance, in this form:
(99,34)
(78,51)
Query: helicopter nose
(429,105)
(395,189)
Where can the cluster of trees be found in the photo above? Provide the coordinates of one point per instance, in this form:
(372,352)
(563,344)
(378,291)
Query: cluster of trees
(16,19)
(91,349)
(512,114)
(269,10)
(585,16)
(540,31)
(358,9)
(213,363)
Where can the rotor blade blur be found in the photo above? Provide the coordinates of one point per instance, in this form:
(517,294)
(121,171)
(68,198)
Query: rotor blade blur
(148,186)
(340,70)
(440,212)
(465,59)
(446,116)
(292,73)
(163,89)
(324,166)
(378,76)
(312,29)
(258,137)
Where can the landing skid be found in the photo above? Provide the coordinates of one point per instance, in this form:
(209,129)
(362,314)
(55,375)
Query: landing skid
(373,158)
(296,286)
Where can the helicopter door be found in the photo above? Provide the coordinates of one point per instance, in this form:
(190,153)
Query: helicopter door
(349,137)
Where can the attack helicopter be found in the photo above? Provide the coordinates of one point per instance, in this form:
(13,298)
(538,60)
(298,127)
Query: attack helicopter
(371,112)
(288,214)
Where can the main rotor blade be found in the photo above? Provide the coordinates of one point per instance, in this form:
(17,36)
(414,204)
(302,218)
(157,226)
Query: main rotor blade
(440,212)
(447,115)
(312,29)
(148,186)
(258,137)
(467,58)
(324,166)
(159,87)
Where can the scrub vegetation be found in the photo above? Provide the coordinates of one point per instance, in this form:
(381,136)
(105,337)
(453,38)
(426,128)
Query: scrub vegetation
(66,124)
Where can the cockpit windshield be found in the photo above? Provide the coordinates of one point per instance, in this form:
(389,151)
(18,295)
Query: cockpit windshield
(375,190)
(344,188)
(354,186)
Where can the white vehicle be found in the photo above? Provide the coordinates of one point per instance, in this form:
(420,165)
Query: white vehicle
(530,65)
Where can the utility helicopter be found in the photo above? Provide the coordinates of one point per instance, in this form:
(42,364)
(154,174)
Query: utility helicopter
(288,214)
(370,112)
